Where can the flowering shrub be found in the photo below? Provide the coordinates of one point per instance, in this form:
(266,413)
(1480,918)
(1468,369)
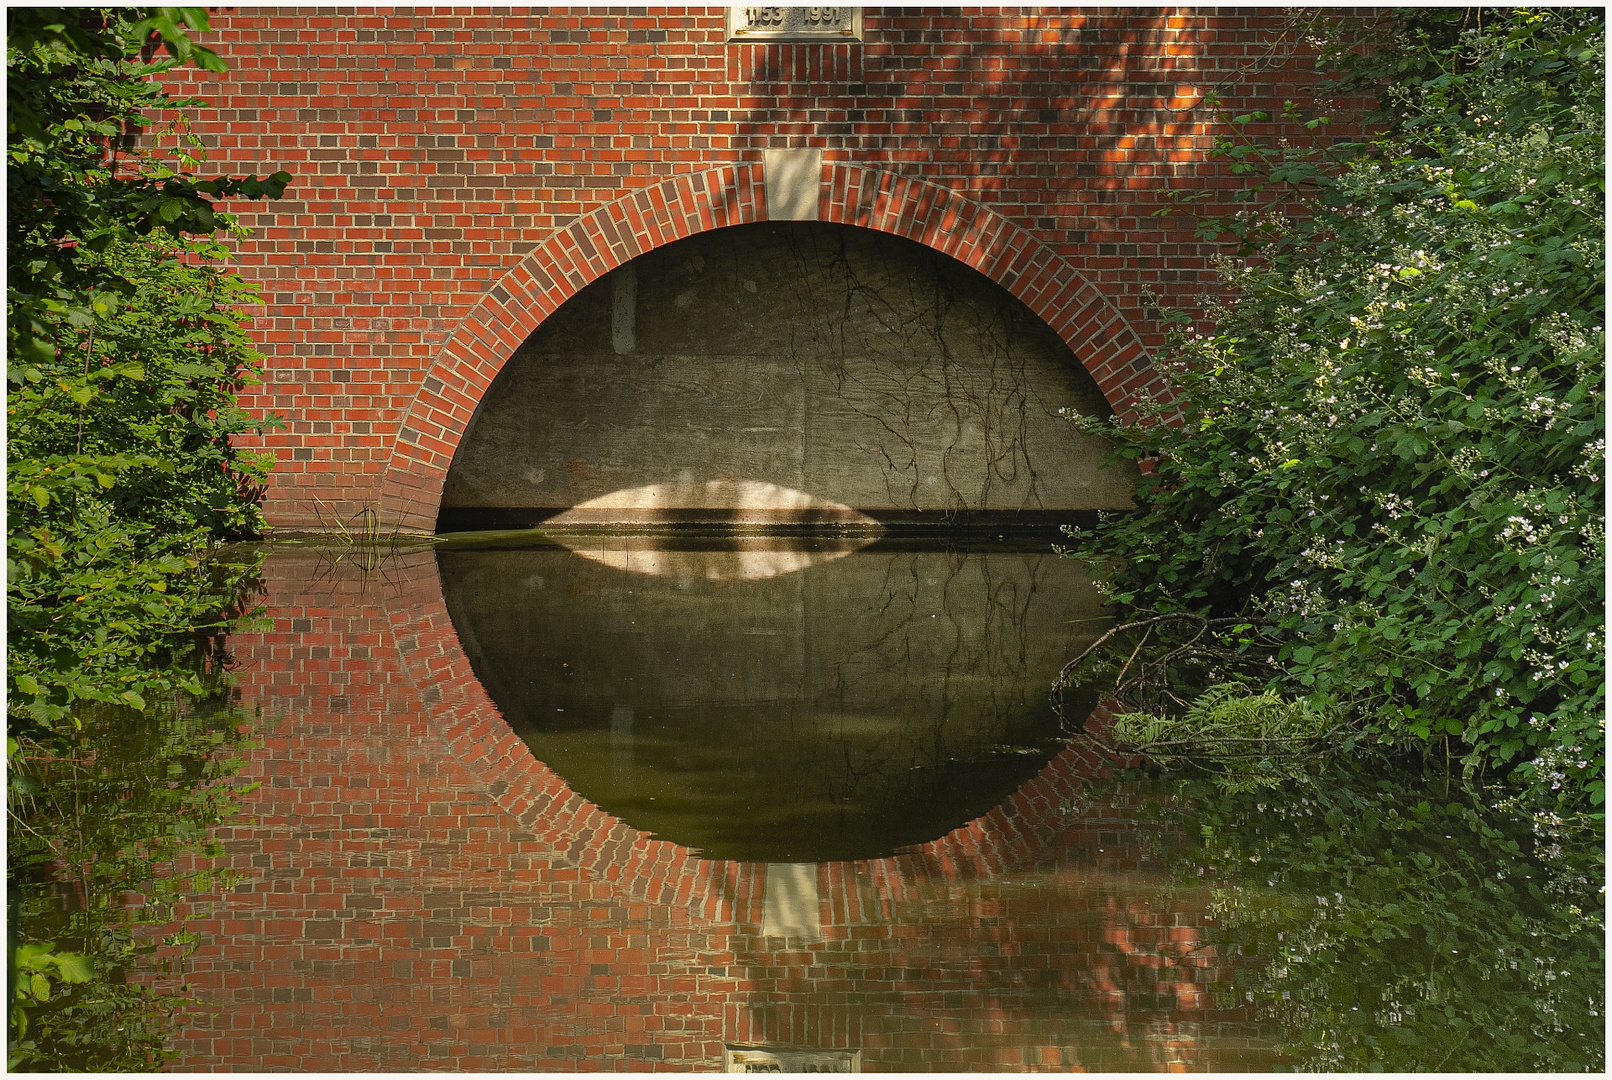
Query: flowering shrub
(1393,444)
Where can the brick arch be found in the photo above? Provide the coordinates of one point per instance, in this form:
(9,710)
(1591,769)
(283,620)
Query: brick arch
(597,243)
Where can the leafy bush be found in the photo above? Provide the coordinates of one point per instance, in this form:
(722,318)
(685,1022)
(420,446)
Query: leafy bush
(126,350)
(120,476)
(1392,451)
(79,92)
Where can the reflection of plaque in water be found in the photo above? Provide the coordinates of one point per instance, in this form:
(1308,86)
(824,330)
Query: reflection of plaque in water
(870,701)
(760,1059)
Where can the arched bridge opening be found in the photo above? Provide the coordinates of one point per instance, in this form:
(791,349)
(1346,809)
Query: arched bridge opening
(1040,285)
(785,374)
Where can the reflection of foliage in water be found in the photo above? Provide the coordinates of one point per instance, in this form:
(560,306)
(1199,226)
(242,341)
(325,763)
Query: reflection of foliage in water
(109,812)
(108,841)
(1391,924)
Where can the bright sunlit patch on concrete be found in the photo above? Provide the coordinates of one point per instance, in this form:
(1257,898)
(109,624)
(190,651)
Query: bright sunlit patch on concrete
(714,503)
(736,501)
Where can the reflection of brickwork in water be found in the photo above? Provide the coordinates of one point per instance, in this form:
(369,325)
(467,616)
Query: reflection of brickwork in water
(422,893)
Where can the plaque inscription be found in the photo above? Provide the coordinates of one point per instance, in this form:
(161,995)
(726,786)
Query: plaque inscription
(794,24)
(757,1059)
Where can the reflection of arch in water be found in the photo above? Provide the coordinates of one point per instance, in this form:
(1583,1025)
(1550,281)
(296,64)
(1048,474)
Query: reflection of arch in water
(411,485)
(660,872)
(862,707)
(727,558)
(1064,958)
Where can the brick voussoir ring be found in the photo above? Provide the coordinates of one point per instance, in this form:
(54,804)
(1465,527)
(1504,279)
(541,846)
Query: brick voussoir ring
(587,249)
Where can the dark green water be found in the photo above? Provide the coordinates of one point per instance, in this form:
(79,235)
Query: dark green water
(767,700)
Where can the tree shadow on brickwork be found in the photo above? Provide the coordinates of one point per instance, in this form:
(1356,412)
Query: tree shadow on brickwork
(1104,111)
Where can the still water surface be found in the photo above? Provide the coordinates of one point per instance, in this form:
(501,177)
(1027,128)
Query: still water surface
(614,802)
(758,701)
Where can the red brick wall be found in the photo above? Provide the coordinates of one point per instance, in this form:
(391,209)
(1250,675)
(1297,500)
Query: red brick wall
(420,893)
(460,174)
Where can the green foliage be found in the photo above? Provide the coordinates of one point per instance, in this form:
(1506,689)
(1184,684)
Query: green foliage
(137,406)
(34,966)
(99,611)
(1390,923)
(122,809)
(126,350)
(120,475)
(1249,740)
(79,90)
(1392,452)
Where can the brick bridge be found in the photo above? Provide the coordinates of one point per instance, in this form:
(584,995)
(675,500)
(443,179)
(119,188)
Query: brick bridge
(461,176)
(420,891)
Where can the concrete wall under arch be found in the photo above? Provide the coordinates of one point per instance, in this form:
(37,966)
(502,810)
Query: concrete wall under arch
(780,373)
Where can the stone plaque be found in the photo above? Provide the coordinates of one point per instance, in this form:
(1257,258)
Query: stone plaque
(756,1059)
(794,24)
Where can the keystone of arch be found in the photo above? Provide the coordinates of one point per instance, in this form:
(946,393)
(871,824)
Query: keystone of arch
(595,244)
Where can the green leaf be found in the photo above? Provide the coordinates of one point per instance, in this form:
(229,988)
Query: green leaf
(74,968)
(37,349)
(33,956)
